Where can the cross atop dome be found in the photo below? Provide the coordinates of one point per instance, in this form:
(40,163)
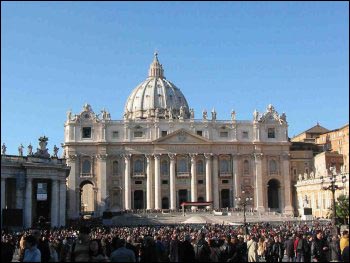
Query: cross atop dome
(156,69)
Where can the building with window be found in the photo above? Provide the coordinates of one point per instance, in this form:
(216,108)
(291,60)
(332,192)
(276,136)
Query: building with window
(160,155)
(33,187)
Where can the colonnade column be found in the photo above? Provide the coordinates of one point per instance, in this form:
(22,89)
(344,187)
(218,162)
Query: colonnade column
(73,206)
(127,185)
(193,179)
(62,212)
(215,181)
(149,182)
(3,190)
(288,209)
(28,204)
(259,187)
(208,185)
(54,203)
(157,185)
(172,182)
(235,170)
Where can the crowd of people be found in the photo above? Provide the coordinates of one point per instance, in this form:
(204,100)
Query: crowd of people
(178,243)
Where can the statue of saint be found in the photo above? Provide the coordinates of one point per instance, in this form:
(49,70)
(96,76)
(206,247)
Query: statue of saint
(300,177)
(312,176)
(20,150)
(192,113)
(283,117)
(182,112)
(205,114)
(55,151)
(233,115)
(213,115)
(3,149)
(171,114)
(69,115)
(305,176)
(30,150)
(306,202)
(256,115)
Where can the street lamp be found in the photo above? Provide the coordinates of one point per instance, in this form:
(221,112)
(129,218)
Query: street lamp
(332,178)
(243,201)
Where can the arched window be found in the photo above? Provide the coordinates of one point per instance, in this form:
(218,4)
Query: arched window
(273,167)
(246,167)
(86,169)
(200,168)
(182,166)
(224,166)
(115,167)
(164,168)
(138,166)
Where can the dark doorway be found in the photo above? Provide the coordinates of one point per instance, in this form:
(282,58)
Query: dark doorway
(183,194)
(225,198)
(273,194)
(165,203)
(138,199)
(200,199)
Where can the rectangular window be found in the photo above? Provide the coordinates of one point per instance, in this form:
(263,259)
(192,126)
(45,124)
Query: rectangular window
(86,132)
(138,182)
(245,135)
(200,181)
(225,181)
(271,133)
(200,133)
(224,134)
(115,134)
(164,181)
(164,133)
(138,134)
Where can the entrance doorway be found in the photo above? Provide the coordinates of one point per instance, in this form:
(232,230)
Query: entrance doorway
(165,203)
(138,199)
(183,194)
(273,195)
(87,197)
(225,198)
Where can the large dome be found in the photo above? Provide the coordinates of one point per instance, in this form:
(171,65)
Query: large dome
(156,97)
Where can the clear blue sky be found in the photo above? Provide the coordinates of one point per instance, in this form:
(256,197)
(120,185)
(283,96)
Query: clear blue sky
(228,55)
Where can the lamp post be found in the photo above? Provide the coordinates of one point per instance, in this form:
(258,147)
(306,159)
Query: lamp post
(332,178)
(243,200)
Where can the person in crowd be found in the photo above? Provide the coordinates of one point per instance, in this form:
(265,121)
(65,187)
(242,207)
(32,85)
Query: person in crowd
(43,245)
(121,253)
(187,250)
(252,247)
(319,248)
(227,249)
(7,249)
(261,250)
(345,254)
(174,248)
(81,248)
(31,253)
(344,240)
(334,249)
(129,245)
(53,253)
(96,252)
(307,255)
(148,250)
(289,247)
(202,249)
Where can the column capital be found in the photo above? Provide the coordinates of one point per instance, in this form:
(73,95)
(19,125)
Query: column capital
(258,156)
(126,156)
(193,156)
(172,156)
(286,156)
(148,157)
(102,156)
(157,156)
(72,157)
(208,155)
(235,156)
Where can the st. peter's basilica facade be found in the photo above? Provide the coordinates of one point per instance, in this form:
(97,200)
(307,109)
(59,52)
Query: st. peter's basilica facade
(159,155)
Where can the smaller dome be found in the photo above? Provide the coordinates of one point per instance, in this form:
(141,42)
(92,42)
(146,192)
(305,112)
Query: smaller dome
(156,97)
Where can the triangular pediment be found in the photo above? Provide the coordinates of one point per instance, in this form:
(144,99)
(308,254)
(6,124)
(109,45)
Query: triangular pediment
(182,136)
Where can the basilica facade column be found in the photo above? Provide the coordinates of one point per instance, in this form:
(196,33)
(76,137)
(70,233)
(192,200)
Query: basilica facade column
(216,181)
(208,184)
(193,179)
(3,191)
(102,184)
(172,182)
(54,203)
(149,182)
(259,187)
(28,204)
(127,185)
(63,198)
(288,208)
(235,172)
(157,185)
